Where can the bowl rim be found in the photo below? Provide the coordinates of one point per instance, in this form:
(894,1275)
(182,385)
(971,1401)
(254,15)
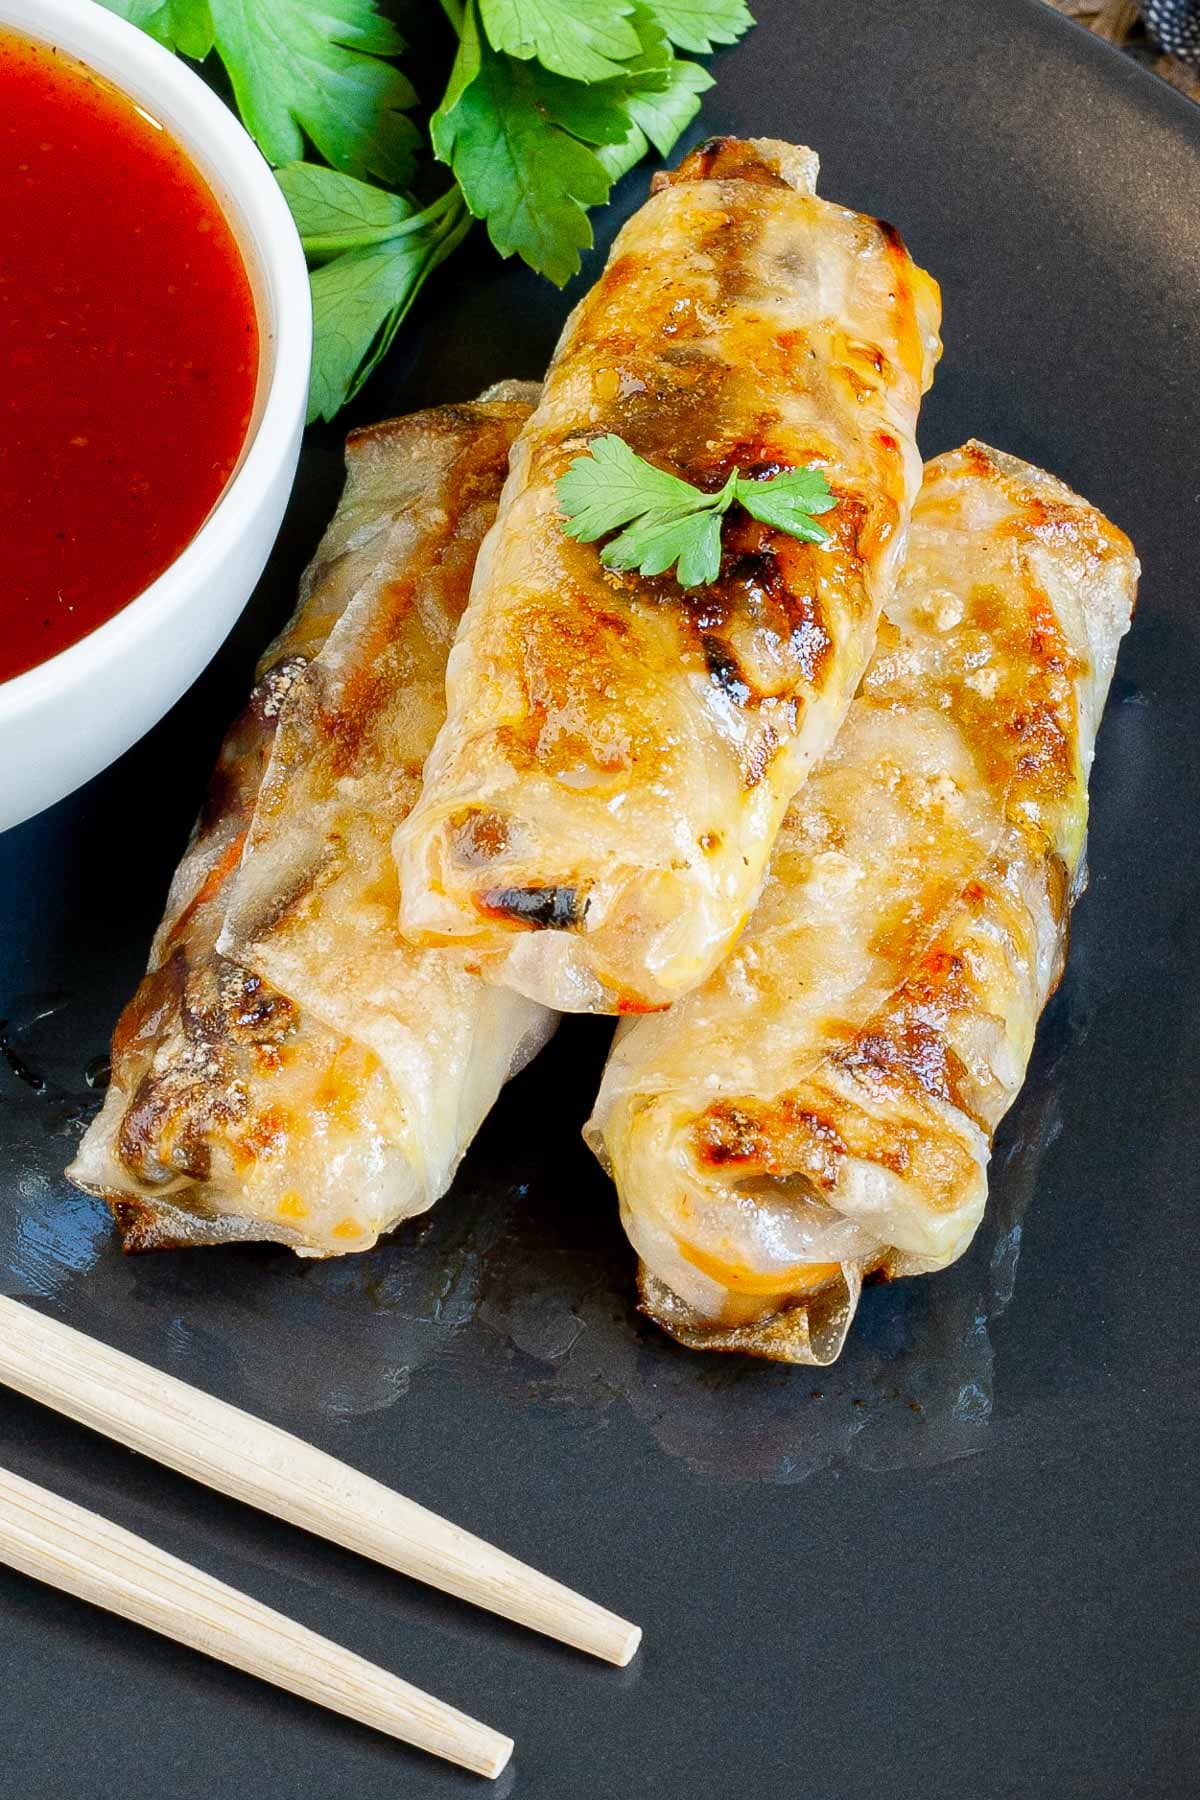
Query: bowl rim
(269,243)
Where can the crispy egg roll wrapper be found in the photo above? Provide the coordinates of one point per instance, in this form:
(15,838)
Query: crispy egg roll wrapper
(823,1107)
(618,754)
(287,1069)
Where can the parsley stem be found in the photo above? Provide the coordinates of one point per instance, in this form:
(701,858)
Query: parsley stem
(454,12)
(724,499)
(450,229)
(316,245)
(458,229)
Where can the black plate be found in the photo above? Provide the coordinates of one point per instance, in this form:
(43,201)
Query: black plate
(957,1564)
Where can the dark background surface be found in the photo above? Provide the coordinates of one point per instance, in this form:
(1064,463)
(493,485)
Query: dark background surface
(962,1564)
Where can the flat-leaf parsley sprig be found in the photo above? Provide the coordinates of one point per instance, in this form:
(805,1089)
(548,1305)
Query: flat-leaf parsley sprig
(547,103)
(664,522)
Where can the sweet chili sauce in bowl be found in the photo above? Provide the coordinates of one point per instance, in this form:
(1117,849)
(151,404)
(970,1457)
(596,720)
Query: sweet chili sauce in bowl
(156,333)
(131,343)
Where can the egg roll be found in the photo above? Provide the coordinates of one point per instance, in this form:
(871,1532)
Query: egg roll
(619,751)
(822,1109)
(287,1069)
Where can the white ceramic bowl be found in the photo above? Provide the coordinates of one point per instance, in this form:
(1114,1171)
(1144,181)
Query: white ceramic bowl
(71,716)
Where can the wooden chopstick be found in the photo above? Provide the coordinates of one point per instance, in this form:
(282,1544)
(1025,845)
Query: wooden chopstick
(71,1548)
(253,1461)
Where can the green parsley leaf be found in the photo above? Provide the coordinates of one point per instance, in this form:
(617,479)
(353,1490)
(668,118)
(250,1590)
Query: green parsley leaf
(649,71)
(650,68)
(669,522)
(693,540)
(354,299)
(586,40)
(611,485)
(601,112)
(618,159)
(661,117)
(527,177)
(298,68)
(182,25)
(700,25)
(788,501)
(597,112)
(533,150)
(336,212)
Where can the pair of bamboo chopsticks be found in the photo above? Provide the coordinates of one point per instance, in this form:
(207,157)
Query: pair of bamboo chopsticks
(71,1548)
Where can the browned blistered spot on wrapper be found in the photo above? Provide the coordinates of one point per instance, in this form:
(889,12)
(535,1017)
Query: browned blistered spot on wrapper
(908,1044)
(781,1137)
(721,159)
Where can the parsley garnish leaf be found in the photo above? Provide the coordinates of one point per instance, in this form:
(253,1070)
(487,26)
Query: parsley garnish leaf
(651,66)
(611,485)
(663,116)
(528,178)
(656,91)
(700,25)
(296,68)
(336,212)
(618,159)
(597,113)
(182,25)
(586,40)
(668,522)
(657,541)
(354,297)
(788,502)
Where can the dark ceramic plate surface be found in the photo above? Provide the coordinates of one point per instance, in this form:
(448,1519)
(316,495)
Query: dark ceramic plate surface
(960,1564)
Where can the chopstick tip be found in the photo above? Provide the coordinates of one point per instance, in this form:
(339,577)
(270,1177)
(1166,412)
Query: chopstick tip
(499,1758)
(627,1646)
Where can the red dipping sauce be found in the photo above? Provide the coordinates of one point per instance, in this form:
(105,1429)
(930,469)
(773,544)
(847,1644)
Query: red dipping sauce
(130,351)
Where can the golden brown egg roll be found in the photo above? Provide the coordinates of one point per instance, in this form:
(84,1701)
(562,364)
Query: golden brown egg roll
(287,1069)
(619,752)
(823,1107)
